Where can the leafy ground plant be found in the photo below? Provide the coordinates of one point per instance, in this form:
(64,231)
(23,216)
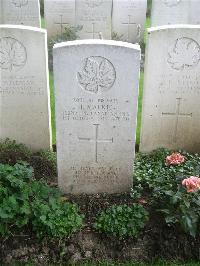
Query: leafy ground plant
(167,177)
(27,202)
(122,220)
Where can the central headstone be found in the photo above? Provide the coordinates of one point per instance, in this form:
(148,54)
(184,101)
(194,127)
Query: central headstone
(20,12)
(94,17)
(96,107)
(128,19)
(24,90)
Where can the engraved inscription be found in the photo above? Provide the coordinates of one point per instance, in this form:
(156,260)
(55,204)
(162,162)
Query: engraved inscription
(93,3)
(95,175)
(177,114)
(92,109)
(171,3)
(96,140)
(13,54)
(184,54)
(19,3)
(97,74)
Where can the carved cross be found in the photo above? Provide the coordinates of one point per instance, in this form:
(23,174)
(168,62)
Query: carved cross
(129,23)
(61,23)
(93,32)
(177,116)
(96,140)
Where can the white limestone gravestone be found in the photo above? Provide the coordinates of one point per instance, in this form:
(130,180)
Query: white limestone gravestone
(94,17)
(24,92)
(20,12)
(58,15)
(128,19)
(96,84)
(171,98)
(168,12)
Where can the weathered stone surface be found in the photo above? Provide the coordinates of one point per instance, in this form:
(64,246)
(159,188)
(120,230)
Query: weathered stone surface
(166,12)
(96,85)
(59,14)
(24,92)
(20,12)
(172,89)
(94,16)
(128,19)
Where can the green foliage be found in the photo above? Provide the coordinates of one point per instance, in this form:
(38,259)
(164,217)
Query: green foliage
(44,164)
(55,218)
(11,152)
(165,186)
(69,34)
(122,220)
(27,202)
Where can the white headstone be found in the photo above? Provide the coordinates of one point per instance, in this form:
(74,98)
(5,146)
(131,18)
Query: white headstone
(94,16)
(59,14)
(24,92)
(172,89)
(96,85)
(128,19)
(166,12)
(20,12)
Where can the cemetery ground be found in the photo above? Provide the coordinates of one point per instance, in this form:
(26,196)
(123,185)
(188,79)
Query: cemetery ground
(158,219)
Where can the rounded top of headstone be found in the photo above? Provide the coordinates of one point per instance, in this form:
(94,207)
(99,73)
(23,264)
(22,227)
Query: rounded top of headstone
(97,42)
(174,26)
(22,27)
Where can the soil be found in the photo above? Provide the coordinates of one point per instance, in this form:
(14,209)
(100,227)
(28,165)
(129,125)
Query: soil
(156,241)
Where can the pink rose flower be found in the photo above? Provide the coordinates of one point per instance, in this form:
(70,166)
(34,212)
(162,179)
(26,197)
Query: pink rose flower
(174,159)
(192,183)
(142,201)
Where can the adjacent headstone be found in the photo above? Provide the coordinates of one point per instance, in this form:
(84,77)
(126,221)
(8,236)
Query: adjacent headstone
(172,89)
(166,12)
(20,12)
(59,14)
(128,19)
(96,84)
(94,17)
(24,92)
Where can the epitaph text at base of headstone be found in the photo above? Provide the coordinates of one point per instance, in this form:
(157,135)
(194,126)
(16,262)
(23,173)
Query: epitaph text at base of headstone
(24,91)
(171,92)
(96,84)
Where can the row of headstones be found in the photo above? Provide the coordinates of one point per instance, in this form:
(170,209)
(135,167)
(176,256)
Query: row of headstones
(94,16)
(97,18)
(96,87)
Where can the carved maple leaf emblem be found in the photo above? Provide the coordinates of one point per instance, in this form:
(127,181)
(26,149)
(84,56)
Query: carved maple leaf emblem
(98,74)
(12,54)
(184,54)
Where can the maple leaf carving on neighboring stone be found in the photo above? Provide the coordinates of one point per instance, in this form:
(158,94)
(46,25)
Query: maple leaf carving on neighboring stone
(97,74)
(184,54)
(12,54)
(172,2)
(19,3)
